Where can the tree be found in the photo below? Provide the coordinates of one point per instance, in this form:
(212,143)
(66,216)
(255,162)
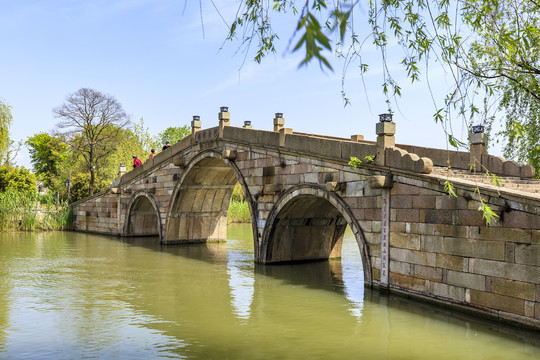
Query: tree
(93,122)
(5,122)
(17,179)
(47,153)
(491,48)
(173,134)
(506,57)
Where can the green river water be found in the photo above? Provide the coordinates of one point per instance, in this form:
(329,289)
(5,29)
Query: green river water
(70,295)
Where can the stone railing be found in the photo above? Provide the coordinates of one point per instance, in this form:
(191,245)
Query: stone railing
(413,158)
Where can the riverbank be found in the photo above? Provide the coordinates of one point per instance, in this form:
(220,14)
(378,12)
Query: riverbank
(27,211)
(238,212)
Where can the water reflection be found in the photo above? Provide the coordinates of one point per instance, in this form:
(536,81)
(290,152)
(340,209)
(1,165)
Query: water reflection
(65,295)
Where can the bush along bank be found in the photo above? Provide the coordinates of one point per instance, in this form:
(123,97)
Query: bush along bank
(22,210)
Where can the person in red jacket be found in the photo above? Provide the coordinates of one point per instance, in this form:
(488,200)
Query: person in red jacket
(136,161)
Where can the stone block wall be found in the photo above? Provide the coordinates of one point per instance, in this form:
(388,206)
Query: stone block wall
(106,212)
(441,248)
(99,214)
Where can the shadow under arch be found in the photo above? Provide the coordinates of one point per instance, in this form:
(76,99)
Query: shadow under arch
(200,200)
(307,223)
(142,216)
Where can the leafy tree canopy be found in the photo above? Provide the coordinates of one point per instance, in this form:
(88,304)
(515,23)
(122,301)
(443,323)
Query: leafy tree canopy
(46,153)
(5,122)
(17,179)
(173,135)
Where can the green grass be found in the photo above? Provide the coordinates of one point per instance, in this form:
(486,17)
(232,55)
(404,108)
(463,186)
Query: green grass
(238,212)
(26,210)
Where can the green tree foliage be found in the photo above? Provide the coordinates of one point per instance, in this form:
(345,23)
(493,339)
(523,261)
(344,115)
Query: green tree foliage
(505,58)
(92,122)
(490,48)
(81,186)
(522,128)
(17,179)
(5,122)
(47,153)
(172,134)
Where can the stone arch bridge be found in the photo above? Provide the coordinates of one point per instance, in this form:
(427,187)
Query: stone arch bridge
(413,237)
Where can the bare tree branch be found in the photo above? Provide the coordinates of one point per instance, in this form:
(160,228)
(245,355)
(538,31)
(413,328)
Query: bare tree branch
(91,122)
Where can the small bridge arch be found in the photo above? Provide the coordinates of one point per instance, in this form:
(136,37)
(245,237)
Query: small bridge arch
(142,216)
(308,223)
(200,201)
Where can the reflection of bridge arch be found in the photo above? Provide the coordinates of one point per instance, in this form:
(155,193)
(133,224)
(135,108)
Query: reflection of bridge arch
(142,216)
(308,223)
(200,200)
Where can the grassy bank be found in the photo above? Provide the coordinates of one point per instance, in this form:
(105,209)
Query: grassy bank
(238,212)
(26,210)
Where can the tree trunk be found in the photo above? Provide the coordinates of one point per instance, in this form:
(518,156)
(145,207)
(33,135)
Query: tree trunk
(91,185)
(92,169)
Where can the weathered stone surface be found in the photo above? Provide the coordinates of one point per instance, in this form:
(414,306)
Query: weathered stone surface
(407,282)
(521,220)
(500,302)
(450,262)
(380,181)
(405,241)
(501,234)
(400,267)
(414,257)
(505,270)
(428,273)
(469,281)
(527,254)
(439,216)
(448,291)
(513,288)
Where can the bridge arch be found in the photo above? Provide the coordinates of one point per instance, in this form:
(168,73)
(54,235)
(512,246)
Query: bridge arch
(142,216)
(307,223)
(200,200)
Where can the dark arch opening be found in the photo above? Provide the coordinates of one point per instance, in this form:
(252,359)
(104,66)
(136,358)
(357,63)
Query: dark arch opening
(142,219)
(307,228)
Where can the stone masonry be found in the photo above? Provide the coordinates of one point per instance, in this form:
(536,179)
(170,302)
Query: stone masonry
(303,194)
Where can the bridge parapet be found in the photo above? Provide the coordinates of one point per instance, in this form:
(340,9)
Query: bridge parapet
(461,160)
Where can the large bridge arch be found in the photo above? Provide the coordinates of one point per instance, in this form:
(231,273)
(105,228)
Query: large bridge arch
(200,200)
(142,216)
(307,223)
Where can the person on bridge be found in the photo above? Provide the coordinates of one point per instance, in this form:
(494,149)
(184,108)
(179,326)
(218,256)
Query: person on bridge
(167,145)
(152,154)
(136,161)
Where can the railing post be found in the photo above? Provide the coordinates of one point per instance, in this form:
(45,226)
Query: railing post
(385,130)
(224,119)
(121,170)
(478,144)
(279,122)
(196,126)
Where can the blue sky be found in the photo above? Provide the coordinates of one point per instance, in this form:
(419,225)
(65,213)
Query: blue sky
(151,55)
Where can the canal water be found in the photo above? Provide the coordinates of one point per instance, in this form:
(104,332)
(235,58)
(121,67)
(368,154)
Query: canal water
(79,296)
